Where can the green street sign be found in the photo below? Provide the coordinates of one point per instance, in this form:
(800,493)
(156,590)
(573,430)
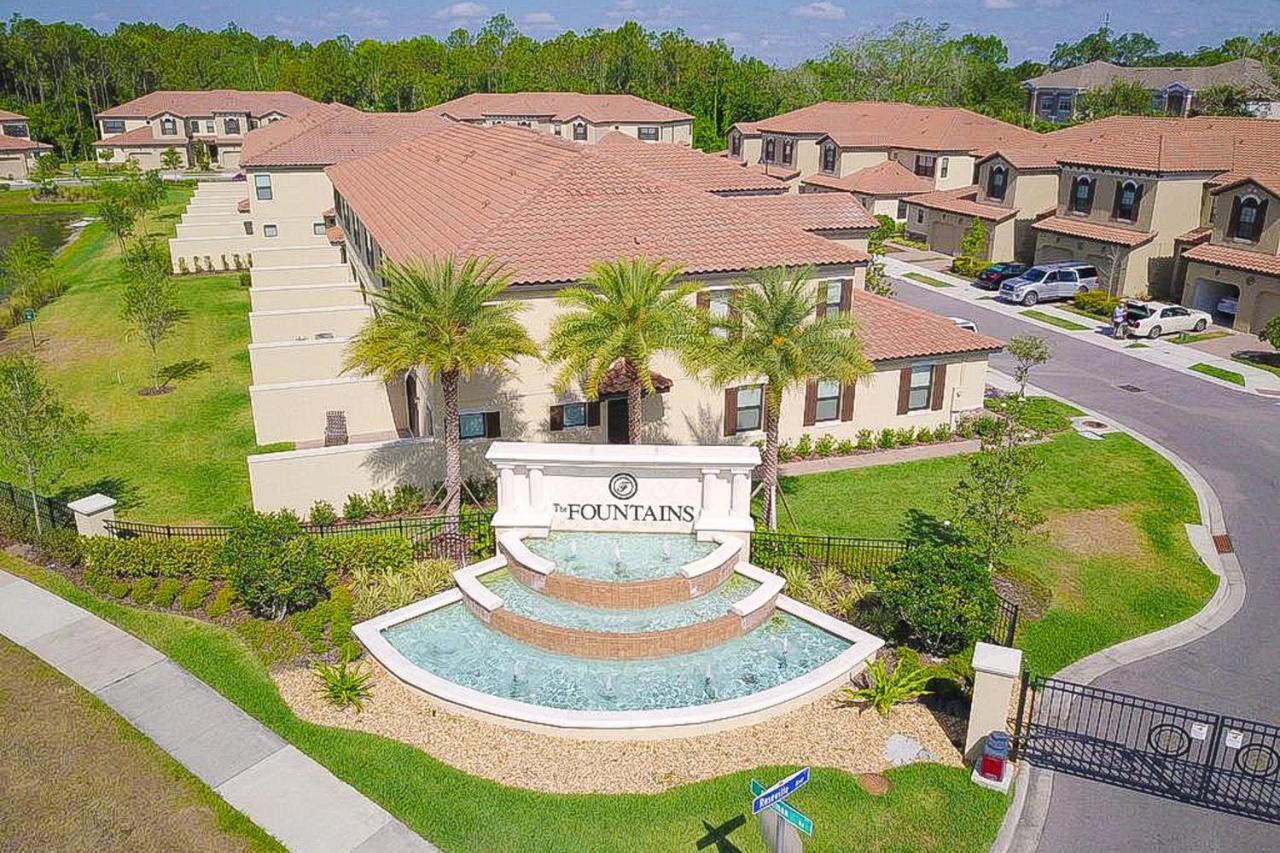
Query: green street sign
(787,812)
(28,315)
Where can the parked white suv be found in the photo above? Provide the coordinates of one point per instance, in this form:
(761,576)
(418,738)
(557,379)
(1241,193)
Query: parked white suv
(1061,280)
(1154,319)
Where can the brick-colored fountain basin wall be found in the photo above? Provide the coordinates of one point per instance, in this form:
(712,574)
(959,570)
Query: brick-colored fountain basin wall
(621,596)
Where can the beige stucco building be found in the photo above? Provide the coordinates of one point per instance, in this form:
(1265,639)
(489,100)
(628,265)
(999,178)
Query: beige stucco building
(573,115)
(18,151)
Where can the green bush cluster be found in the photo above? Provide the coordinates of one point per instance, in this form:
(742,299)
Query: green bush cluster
(1096,302)
(403,500)
(222,602)
(328,624)
(943,593)
(195,594)
(167,592)
(372,551)
(826,446)
(968,267)
(379,591)
(157,558)
(271,563)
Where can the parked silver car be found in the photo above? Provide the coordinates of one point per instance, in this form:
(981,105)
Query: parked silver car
(1061,280)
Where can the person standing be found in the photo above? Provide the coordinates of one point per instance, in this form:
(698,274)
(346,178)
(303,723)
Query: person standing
(1118,322)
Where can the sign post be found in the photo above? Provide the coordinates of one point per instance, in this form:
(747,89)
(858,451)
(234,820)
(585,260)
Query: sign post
(774,798)
(29,317)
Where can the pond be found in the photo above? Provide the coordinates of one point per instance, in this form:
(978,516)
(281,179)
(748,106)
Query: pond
(50,229)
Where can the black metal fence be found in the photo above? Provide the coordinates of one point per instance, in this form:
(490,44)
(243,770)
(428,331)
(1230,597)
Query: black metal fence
(1005,628)
(1212,760)
(53,514)
(459,538)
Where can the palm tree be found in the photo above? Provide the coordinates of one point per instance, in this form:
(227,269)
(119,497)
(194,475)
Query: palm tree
(776,337)
(445,317)
(623,313)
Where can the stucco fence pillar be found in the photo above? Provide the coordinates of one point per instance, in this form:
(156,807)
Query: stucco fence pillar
(996,671)
(92,514)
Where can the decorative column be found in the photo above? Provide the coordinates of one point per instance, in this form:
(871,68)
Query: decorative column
(740,502)
(506,483)
(996,670)
(92,513)
(537,498)
(709,477)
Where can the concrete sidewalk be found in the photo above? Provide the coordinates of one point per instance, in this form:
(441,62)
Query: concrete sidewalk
(1163,352)
(289,795)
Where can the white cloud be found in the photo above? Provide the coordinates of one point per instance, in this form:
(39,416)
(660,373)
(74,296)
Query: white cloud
(821,10)
(623,9)
(462,11)
(1000,4)
(539,19)
(368,16)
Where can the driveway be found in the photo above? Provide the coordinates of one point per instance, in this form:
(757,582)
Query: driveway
(1233,439)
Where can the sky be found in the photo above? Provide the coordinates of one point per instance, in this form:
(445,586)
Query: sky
(783,31)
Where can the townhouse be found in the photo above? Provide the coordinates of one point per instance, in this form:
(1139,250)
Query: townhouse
(548,208)
(18,151)
(217,119)
(1055,96)
(573,115)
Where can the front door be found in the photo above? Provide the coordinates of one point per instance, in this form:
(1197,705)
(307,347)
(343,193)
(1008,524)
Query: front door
(616,428)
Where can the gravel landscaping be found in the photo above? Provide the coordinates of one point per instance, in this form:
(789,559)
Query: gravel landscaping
(825,733)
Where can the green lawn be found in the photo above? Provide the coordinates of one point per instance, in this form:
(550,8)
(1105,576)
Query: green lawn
(16,202)
(928,279)
(1094,590)
(1052,320)
(1271,366)
(931,807)
(1218,373)
(176,457)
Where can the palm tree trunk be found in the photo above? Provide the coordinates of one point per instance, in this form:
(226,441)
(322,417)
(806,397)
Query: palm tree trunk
(452,444)
(635,417)
(772,410)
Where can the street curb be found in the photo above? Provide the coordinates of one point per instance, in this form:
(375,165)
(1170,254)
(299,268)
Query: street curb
(1025,818)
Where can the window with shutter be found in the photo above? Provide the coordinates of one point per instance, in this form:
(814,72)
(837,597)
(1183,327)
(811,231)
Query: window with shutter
(996,182)
(846,401)
(826,400)
(1082,195)
(730,411)
(747,408)
(1247,216)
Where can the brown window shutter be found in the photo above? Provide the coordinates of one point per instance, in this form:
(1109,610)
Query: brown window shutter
(904,390)
(810,403)
(846,296)
(557,418)
(820,310)
(593,414)
(1115,203)
(492,425)
(1137,201)
(704,299)
(846,401)
(939,386)
(1234,224)
(730,411)
(1260,221)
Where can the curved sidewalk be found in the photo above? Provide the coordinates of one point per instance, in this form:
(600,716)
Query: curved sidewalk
(289,795)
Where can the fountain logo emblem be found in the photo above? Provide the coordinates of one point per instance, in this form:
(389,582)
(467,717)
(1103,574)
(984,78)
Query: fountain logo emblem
(623,486)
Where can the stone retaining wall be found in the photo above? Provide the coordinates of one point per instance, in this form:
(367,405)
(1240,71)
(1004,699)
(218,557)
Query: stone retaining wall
(620,596)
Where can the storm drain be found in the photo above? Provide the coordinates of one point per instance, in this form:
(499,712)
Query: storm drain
(1222,543)
(1132,389)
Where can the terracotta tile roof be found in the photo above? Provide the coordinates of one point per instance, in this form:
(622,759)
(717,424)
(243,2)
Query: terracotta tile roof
(875,124)
(551,208)
(207,102)
(690,167)
(1247,73)
(1269,180)
(1240,259)
(748,128)
(139,137)
(811,211)
(22,143)
(890,330)
(618,378)
(885,178)
(331,133)
(1199,144)
(6,115)
(1092,231)
(1195,235)
(964,202)
(561,106)
(335,234)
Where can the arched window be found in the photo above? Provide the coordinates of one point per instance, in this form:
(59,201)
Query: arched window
(1248,213)
(168,127)
(414,403)
(735,143)
(1128,195)
(788,150)
(769,147)
(996,182)
(580,131)
(1082,194)
(829,157)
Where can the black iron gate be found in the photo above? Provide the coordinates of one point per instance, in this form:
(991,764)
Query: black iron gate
(1208,759)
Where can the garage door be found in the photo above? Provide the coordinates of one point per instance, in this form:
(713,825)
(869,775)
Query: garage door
(1051,254)
(945,238)
(229,159)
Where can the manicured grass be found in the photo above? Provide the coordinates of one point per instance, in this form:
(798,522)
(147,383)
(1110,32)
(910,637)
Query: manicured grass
(175,457)
(1252,361)
(1095,591)
(1060,322)
(1197,337)
(1068,306)
(931,807)
(1218,373)
(17,202)
(78,777)
(927,279)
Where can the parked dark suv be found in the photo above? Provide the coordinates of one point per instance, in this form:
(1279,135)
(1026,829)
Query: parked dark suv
(990,278)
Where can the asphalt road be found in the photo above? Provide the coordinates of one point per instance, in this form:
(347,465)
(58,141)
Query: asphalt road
(1233,440)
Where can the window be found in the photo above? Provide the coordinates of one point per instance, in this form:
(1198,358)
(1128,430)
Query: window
(647,134)
(232,125)
(921,388)
(1127,196)
(270,231)
(319,229)
(942,166)
(1247,216)
(788,151)
(925,165)
(919,215)
(253,123)
(902,209)
(113,125)
(829,157)
(574,415)
(208,126)
(996,182)
(479,425)
(735,144)
(833,298)
(262,187)
(580,131)
(769,150)
(1064,104)
(557,131)
(168,127)
(17,128)
(1046,102)
(1082,195)
(193,125)
(828,403)
(248,227)
(720,306)
(750,408)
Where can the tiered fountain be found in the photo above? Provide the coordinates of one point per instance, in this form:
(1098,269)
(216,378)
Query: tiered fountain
(620,601)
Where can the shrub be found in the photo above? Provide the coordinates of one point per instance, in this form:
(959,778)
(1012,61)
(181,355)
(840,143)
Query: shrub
(158,558)
(905,436)
(60,546)
(829,583)
(379,503)
(195,594)
(797,581)
(866,439)
(143,590)
(222,601)
(845,447)
(275,643)
(356,508)
(340,617)
(407,499)
(117,589)
(824,446)
(942,432)
(804,446)
(341,555)
(884,689)
(311,624)
(343,684)
(166,592)
(888,438)
(1096,302)
(322,513)
(378,591)
(785,453)
(16,525)
(271,564)
(968,267)
(944,594)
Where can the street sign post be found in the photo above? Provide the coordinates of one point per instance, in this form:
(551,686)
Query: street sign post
(774,798)
(29,317)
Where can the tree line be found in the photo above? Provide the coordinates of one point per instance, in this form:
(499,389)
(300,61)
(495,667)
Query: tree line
(60,74)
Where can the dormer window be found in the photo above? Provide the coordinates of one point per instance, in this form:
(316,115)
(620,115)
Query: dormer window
(647,134)
(168,127)
(232,126)
(1128,194)
(112,125)
(769,150)
(942,167)
(829,157)
(735,144)
(997,180)
(788,151)
(580,131)
(925,165)
(1248,213)
(1082,195)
